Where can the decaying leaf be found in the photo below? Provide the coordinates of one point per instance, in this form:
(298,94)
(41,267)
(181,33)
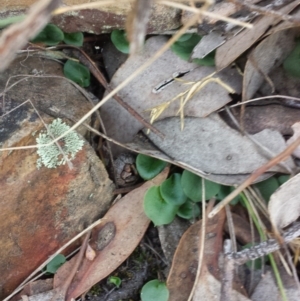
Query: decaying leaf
(113,241)
(269,54)
(284,205)
(210,146)
(185,262)
(267,287)
(158,85)
(233,48)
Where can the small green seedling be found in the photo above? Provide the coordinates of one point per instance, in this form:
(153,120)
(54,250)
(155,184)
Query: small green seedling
(155,290)
(55,263)
(77,73)
(149,167)
(119,39)
(115,280)
(157,209)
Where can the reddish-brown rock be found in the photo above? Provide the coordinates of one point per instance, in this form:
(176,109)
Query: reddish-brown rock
(42,209)
(99,20)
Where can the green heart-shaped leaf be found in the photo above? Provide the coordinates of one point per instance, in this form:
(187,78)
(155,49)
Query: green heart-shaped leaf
(75,38)
(155,290)
(50,35)
(171,190)
(188,210)
(157,209)
(77,73)
(118,37)
(192,187)
(149,167)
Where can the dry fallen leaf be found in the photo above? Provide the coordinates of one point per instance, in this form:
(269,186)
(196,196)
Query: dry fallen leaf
(284,205)
(223,150)
(268,287)
(233,48)
(113,241)
(185,262)
(269,54)
(141,93)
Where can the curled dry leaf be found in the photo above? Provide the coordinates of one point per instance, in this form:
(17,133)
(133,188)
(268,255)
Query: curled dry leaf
(113,240)
(284,205)
(90,253)
(269,54)
(157,85)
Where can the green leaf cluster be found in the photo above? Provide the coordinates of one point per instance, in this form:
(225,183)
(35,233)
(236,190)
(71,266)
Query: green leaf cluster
(177,195)
(52,35)
(184,46)
(155,290)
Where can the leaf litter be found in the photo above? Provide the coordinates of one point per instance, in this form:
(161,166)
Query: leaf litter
(204,144)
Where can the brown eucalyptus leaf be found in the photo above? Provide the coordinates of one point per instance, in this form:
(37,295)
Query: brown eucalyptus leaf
(143,93)
(233,48)
(269,54)
(209,288)
(284,205)
(212,147)
(185,262)
(113,240)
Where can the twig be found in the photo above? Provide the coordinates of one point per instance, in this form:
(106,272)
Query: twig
(233,259)
(264,248)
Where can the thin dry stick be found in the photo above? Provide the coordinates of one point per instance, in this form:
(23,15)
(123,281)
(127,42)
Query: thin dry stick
(202,240)
(61,291)
(231,228)
(280,157)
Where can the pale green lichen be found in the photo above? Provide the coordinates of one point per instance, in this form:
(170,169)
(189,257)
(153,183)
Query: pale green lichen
(51,156)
